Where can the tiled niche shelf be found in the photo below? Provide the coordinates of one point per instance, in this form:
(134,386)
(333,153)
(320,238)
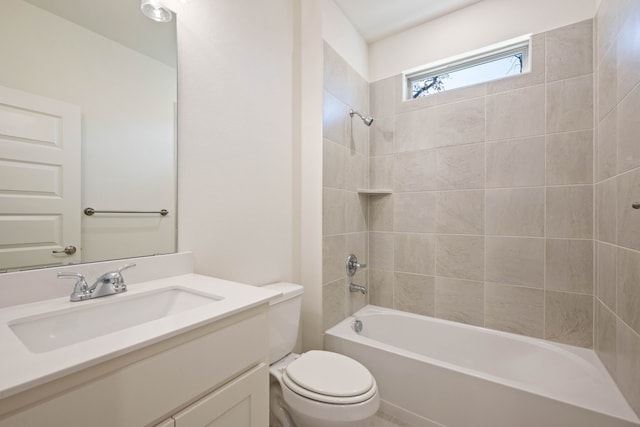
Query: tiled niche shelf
(374,192)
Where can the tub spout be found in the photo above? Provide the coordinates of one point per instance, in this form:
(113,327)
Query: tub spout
(357,288)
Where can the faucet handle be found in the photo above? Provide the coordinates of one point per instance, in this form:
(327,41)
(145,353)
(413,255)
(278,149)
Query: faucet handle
(124,267)
(80,288)
(353,265)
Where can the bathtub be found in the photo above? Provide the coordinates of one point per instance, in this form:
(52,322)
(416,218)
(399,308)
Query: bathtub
(433,373)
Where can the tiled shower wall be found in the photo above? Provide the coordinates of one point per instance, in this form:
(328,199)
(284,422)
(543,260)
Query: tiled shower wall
(491,218)
(345,170)
(617,58)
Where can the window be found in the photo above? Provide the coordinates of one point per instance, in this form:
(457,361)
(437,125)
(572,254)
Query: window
(494,62)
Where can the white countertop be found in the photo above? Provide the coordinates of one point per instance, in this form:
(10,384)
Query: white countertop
(21,369)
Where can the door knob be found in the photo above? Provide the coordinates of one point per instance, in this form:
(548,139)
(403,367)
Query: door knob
(69,250)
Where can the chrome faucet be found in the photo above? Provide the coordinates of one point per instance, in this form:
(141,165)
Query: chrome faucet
(352,267)
(109,283)
(357,288)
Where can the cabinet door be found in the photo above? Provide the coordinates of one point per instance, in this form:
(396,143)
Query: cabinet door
(244,402)
(167,423)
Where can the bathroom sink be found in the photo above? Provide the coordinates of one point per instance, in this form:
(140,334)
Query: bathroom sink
(51,331)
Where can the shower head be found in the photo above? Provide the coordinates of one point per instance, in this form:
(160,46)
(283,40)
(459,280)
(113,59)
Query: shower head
(366,120)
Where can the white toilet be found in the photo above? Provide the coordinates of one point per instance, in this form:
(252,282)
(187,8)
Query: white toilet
(317,388)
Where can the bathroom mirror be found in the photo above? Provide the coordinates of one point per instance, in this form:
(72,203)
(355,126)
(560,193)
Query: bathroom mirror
(88,94)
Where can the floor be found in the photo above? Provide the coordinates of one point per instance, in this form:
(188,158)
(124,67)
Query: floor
(384,420)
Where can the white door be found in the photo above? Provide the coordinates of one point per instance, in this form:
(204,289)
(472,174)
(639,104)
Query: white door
(39,180)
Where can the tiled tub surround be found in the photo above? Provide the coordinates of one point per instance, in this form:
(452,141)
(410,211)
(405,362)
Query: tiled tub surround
(491,218)
(617,177)
(345,170)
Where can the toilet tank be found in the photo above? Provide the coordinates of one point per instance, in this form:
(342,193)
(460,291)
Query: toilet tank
(284,319)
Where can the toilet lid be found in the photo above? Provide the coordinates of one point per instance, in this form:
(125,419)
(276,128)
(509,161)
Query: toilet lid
(329,377)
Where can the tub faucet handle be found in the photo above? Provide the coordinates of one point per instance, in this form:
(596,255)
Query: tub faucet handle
(353,265)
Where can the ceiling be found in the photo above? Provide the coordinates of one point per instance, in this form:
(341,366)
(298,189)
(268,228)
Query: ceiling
(120,21)
(377,19)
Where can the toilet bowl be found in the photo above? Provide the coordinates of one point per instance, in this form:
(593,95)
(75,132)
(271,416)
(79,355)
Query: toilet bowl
(316,388)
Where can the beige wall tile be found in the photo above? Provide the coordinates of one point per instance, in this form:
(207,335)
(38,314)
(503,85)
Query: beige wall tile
(333,303)
(414,212)
(514,309)
(569,318)
(381,95)
(460,167)
(355,212)
(381,136)
(628,131)
(460,123)
(628,47)
(605,339)
(460,212)
(628,219)
(357,171)
(628,364)
(607,83)
(606,205)
(606,259)
(357,91)
(534,77)
(570,51)
(381,213)
(461,257)
(570,104)
(415,171)
(381,172)
(333,258)
(570,158)
(358,244)
(460,301)
(569,265)
(381,288)
(606,22)
(334,119)
(381,251)
(414,293)
(335,73)
(607,154)
(628,287)
(570,212)
(334,159)
(358,136)
(516,163)
(515,261)
(515,212)
(415,130)
(414,253)
(333,211)
(517,113)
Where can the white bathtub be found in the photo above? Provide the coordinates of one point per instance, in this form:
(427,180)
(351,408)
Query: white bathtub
(433,372)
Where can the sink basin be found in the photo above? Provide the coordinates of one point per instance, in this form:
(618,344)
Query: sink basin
(59,329)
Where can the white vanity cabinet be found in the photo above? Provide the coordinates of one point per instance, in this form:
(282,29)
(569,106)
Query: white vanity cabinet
(213,375)
(241,403)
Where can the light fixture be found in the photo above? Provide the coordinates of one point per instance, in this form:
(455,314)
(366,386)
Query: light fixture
(152,9)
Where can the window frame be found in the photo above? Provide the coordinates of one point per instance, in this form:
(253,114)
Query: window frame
(470,59)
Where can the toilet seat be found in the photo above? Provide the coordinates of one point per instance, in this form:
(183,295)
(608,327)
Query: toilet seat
(329,378)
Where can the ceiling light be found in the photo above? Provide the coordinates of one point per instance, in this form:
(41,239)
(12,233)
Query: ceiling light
(154,10)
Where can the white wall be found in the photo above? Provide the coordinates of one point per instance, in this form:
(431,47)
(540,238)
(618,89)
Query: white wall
(127,102)
(338,31)
(479,25)
(235,137)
